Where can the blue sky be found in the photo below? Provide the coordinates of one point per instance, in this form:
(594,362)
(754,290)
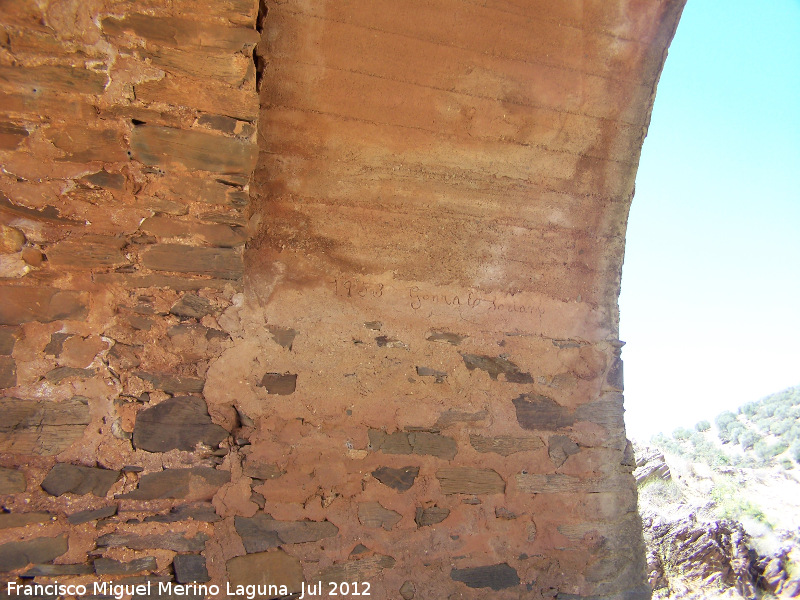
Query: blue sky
(710,303)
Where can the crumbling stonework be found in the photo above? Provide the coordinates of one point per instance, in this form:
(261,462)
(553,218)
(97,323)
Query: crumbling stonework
(358,324)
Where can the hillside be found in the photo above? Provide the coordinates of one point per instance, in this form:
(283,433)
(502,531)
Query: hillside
(721,504)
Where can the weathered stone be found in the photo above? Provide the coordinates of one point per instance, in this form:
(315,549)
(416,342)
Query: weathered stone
(85,144)
(225,263)
(11,239)
(88,252)
(11,136)
(200,511)
(360,569)
(233,69)
(496,577)
(399,479)
(277,383)
(124,357)
(260,470)
(262,532)
(76,479)
(193,484)
(536,412)
(176,423)
(44,304)
(496,366)
(505,445)
(535,483)
(429,372)
(214,234)
(57,570)
(168,147)
(8,372)
(8,338)
(385,341)
(180,32)
(266,568)
(191,306)
(59,374)
(173,384)
(445,336)
(560,448)
(415,442)
(408,590)
(108,566)
(104,179)
(9,520)
(45,428)
(430,515)
(15,555)
(373,514)
(54,78)
(211,96)
(84,516)
(11,481)
(283,336)
(470,480)
(173,540)
(56,344)
(190,568)
(451,417)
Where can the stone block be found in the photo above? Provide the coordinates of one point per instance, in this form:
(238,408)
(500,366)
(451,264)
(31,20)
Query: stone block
(232,69)
(168,147)
(363,569)
(41,427)
(9,520)
(373,514)
(11,136)
(85,516)
(210,96)
(447,337)
(176,423)
(44,304)
(262,532)
(496,366)
(15,555)
(399,479)
(108,566)
(225,263)
(190,568)
(275,568)
(560,448)
(201,511)
(282,384)
(65,478)
(54,79)
(191,306)
(85,144)
(192,484)
(56,570)
(173,384)
(537,412)
(8,372)
(104,179)
(414,442)
(11,481)
(59,374)
(496,577)
(215,234)
(88,252)
(451,417)
(283,336)
(8,338)
(430,515)
(173,540)
(470,480)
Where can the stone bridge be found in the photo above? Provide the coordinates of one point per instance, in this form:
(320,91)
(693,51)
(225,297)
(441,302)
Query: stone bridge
(320,291)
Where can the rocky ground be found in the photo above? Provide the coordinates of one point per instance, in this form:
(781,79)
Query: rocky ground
(718,532)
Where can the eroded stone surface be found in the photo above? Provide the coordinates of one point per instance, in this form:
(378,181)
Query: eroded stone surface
(195,483)
(76,479)
(176,423)
(45,428)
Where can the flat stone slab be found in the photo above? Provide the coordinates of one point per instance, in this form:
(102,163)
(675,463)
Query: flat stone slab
(108,566)
(11,481)
(174,540)
(16,555)
(44,304)
(400,479)
(193,484)
(76,479)
(190,568)
(41,427)
(496,577)
(176,423)
(261,532)
(470,480)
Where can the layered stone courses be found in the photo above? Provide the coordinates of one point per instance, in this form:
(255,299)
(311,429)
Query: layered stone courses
(358,325)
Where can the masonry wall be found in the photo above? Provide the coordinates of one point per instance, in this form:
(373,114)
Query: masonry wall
(359,325)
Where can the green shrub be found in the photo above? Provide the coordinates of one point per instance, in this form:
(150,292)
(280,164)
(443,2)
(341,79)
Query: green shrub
(748,438)
(681,433)
(702,426)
